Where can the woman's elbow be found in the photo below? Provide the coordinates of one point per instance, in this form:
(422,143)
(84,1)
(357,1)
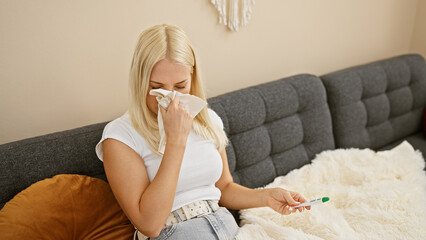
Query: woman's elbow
(151,231)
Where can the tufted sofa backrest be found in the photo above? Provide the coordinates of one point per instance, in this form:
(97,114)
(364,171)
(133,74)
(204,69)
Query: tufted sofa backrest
(375,104)
(27,161)
(274,127)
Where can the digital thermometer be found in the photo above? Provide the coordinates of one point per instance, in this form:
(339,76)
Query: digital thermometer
(313,202)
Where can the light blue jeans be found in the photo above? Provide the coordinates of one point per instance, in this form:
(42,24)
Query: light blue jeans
(219,225)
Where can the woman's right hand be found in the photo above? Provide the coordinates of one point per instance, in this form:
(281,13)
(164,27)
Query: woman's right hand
(177,122)
(284,201)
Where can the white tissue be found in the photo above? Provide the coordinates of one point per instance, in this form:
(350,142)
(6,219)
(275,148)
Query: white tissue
(190,103)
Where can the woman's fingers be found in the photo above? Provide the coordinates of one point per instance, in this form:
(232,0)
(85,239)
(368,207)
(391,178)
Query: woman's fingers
(163,111)
(289,199)
(175,101)
(176,105)
(289,209)
(177,121)
(301,199)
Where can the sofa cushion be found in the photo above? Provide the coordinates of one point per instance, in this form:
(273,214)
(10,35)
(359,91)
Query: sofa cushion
(376,104)
(31,160)
(424,123)
(65,207)
(274,127)
(416,140)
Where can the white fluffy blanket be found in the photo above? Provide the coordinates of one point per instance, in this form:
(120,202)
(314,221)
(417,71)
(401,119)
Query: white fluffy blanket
(373,195)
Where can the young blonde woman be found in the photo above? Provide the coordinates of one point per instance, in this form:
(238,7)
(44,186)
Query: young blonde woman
(175,195)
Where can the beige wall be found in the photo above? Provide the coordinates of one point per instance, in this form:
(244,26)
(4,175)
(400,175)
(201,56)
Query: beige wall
(418,42)
(64,64)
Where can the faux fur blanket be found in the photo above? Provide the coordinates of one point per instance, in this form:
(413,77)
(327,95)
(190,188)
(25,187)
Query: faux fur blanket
(373,195)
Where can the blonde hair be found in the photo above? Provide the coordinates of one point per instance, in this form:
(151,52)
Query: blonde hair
(155,44)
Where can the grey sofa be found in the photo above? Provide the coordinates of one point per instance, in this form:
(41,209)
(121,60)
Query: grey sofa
(273,127)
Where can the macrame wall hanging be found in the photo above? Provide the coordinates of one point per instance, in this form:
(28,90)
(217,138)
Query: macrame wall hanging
(233,13)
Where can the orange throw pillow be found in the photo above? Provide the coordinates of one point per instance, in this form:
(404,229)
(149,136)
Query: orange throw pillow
(65,207)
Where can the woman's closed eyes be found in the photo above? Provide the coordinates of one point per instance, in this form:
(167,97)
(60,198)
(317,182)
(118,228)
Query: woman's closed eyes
(178,87)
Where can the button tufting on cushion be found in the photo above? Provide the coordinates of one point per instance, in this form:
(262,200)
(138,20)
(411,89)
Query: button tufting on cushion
(274,127)
(393,96)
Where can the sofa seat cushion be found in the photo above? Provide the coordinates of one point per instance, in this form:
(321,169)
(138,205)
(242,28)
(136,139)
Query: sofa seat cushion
(418,141)
(65,207)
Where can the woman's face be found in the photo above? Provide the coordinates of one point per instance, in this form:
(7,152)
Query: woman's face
(168,75)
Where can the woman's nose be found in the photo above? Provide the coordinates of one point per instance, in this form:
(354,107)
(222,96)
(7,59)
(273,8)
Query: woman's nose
(167,88)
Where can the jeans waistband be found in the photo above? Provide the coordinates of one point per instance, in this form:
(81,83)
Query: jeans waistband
(192,210)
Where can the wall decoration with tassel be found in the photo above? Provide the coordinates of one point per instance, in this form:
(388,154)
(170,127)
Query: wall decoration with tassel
(233,13)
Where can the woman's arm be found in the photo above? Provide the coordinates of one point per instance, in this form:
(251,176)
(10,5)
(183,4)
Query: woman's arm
(146,204)
(235,196)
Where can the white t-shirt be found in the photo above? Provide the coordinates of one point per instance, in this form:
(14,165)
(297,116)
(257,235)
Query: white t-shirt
(201,165)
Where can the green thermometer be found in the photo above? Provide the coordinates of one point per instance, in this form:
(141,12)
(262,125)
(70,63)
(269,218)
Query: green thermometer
(313,202)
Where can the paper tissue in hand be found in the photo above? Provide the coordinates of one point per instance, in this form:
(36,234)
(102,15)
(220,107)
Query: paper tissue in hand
(190,103)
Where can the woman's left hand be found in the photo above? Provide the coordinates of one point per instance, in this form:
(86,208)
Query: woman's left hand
(283,201)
